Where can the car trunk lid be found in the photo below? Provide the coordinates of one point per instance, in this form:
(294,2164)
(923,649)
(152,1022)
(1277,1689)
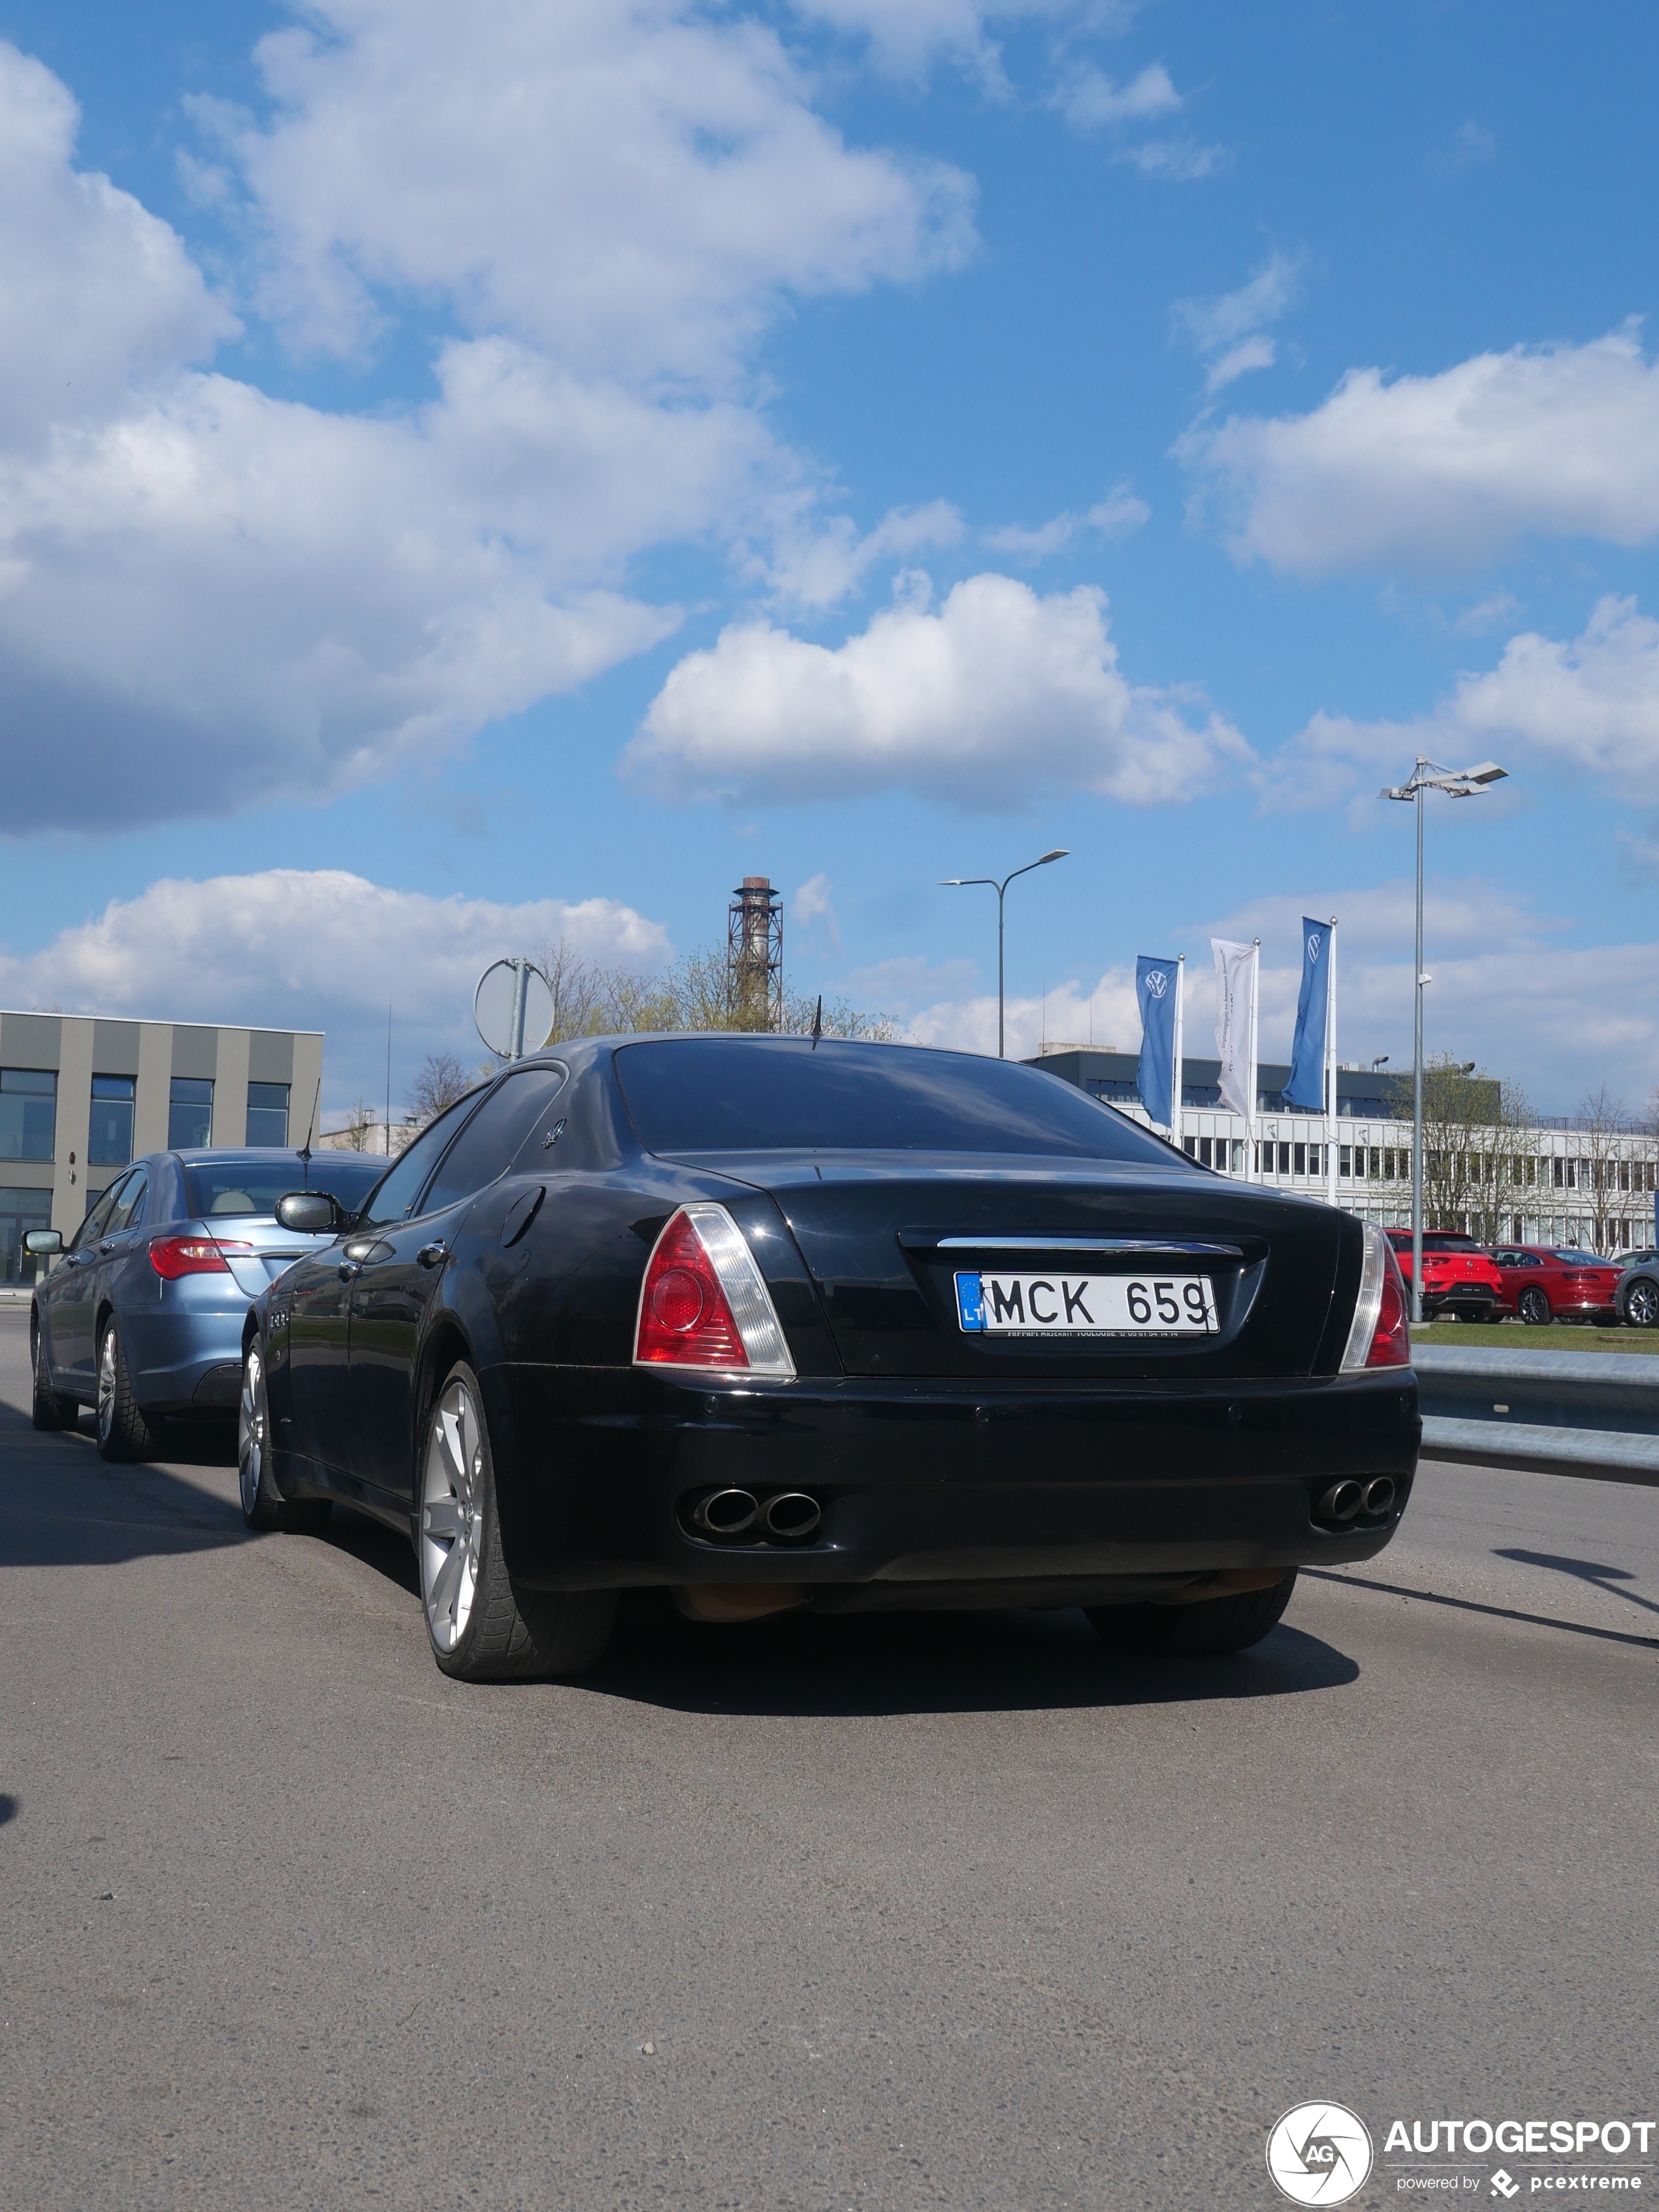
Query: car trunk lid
(885,1237)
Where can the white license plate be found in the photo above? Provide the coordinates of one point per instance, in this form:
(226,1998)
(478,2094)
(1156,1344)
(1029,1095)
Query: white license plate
(999,1304)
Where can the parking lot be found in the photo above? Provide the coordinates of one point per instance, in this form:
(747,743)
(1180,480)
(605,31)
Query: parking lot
(958,1912)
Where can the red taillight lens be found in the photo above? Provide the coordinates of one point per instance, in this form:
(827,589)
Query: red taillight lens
(173,1256)
(1378,1335)
(685,1317)
(1391,1341)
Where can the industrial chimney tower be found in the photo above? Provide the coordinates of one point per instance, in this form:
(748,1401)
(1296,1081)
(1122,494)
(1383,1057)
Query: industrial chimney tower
(754,953)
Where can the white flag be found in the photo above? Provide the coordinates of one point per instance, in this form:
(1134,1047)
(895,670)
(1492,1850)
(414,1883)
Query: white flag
(1235,1003)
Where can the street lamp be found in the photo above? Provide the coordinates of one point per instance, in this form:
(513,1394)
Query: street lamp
(959,883)
(1467,783)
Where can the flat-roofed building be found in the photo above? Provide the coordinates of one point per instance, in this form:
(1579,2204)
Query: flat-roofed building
(80,1096)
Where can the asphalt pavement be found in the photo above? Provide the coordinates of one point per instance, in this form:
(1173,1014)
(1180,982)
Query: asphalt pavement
(950,1913)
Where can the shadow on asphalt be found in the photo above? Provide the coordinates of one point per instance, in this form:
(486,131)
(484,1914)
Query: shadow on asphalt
(93,1513)
(882,1664)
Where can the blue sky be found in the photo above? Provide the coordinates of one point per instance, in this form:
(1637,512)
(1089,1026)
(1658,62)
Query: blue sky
(461,490)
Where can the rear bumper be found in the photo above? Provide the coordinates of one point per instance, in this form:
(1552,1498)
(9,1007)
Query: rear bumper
(598,1471)
(192,1358)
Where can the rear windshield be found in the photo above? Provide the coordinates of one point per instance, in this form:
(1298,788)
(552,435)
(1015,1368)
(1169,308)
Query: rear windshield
(1582,1259)
(1448,1244)
(221,1188)
(762,1094)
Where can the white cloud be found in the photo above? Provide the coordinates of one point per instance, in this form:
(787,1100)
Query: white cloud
(813,913)
(999,694)
(1589,705)
(1472,146)
(1181,161)
(816,565)
(1118,516)
(1230,328)
(1089,100)
(208,595)
(314,949)
(1069,1012)
(906,35)
(626,184)
(1444,473)
(1557,1018)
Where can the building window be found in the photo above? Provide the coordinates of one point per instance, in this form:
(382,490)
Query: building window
(29,1113)
(1344,1160)
(109,1142)
(20,1212)
(267,1114)
(190,1112)
(1189,1145)
(1300,1157)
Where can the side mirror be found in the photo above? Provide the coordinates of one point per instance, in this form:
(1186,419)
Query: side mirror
(43,1242)
(312,1212)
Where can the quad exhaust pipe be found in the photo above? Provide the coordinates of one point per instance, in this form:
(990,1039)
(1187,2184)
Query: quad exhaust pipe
(787,1518)
(1345,1501)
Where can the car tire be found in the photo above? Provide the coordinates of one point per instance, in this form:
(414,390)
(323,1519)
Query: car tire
(480,1627)
(125,1431)
(1534,1306)
(263,1507)
(1640,1306)
(50,1409)
(1213,1627)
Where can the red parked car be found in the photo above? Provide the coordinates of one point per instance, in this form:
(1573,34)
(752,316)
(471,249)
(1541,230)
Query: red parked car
(1459,1276)
(1542,1283)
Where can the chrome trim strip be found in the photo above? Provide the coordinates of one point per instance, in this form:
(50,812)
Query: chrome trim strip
(1075,1245)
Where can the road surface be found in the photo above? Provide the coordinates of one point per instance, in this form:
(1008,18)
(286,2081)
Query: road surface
(951,1913)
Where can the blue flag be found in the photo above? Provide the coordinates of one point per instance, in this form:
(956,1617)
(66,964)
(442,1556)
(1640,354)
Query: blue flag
(1306,1087)
(1155,987)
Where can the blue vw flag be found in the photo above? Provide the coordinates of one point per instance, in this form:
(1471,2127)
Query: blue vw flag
(1155,987)
(1306,1087)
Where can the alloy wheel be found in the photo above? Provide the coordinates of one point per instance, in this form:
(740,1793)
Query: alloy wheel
(1642,1305)
(250,1424)
(451,1533)
(106,1385)
(1533,1308)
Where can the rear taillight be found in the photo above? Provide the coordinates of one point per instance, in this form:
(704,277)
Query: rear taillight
(1379,1335)
(173,1256)
(703,1302)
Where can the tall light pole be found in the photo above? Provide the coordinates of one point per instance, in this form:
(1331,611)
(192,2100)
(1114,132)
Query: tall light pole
(1467,783)
(959,883)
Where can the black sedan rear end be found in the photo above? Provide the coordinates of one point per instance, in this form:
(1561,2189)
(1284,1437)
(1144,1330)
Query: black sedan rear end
(854,1327)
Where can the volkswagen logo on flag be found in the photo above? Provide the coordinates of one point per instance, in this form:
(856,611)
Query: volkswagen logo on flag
(1314,944)
(1319,2155)
(1156,982)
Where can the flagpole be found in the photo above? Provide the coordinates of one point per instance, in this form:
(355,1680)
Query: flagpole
(1330,1065)
(1251,1163)
(1180,1047)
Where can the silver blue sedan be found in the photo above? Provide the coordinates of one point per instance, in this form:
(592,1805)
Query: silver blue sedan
(142,1315)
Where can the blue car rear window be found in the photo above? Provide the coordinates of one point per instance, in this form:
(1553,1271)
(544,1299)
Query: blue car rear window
(217,1188)
(765,1094)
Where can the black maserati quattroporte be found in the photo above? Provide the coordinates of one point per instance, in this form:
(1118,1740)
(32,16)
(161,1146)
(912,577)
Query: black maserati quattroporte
(767,1324)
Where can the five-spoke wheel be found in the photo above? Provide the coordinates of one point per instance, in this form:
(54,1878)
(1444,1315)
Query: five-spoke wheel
(484,1626)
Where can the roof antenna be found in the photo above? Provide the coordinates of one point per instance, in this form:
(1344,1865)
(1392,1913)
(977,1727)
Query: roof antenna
(817,1021)
(305,1149)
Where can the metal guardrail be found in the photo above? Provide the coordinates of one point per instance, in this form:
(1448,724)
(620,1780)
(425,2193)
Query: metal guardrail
(1594,1414)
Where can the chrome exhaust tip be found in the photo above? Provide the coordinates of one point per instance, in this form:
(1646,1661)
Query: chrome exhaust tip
(1380,1494)
(791,1514)
(726,1513)
(1342,1502)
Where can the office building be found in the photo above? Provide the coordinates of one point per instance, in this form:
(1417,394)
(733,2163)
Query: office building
(80,1097)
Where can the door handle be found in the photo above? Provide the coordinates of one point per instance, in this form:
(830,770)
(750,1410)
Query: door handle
(107,1248)
(432,1255)
(349,1268)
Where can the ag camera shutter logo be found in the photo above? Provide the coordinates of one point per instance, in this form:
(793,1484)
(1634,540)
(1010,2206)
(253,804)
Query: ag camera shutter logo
(1319,2155)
